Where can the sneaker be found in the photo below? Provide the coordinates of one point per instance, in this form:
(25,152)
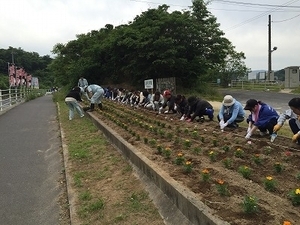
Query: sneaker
(82,116)
(263,133)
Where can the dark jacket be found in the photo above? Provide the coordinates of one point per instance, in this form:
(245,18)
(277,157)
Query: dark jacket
(170,102)
(266,113)
(75,93)
(182,105)
(198,108)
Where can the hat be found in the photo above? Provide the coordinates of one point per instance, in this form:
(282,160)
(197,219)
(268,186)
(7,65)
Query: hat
(250,104)
(228,100)
(167,92)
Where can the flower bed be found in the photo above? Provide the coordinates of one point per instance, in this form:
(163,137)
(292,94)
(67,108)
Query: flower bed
(254,182)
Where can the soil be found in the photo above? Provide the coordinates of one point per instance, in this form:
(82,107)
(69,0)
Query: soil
(222,154)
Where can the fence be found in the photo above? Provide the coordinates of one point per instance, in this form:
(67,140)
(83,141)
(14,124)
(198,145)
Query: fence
(12,96)
(255,85)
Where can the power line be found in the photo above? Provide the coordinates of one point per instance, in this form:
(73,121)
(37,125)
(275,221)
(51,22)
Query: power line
(280,21)
(257,4)
(259,16)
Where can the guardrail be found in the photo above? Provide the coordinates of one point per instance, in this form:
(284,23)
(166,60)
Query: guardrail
(12,96)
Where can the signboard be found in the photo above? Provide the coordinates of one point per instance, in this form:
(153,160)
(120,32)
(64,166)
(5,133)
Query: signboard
(148,84)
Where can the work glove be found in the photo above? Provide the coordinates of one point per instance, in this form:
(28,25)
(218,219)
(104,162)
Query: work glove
(182,118)
(248,136)
(221,122)
(167,111)
(160,109)
(223,126)
(276,128)
(296,137)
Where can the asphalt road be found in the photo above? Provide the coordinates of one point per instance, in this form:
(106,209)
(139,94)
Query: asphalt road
(279,101)
(30,164)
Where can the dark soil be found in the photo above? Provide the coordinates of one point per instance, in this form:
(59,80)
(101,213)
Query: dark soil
(162,137)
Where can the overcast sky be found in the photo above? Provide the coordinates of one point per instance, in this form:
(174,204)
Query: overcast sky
(37,25)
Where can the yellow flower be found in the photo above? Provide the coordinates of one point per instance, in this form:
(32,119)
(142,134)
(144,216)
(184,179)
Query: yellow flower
(269,178)
(239,149)
(188,163)
(167,149)
(205,171)
(179,154)
(297,191)
(211,152)
(187,140)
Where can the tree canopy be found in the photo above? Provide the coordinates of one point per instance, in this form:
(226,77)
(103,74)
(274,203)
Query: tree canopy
(188,45)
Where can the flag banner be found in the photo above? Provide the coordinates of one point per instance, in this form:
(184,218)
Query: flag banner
(12,75)
(28,80)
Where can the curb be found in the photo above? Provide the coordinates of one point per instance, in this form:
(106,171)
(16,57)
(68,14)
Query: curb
(67,166)
(195,211)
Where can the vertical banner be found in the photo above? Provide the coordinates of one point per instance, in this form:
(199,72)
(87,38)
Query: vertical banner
(29,80)
(12,75)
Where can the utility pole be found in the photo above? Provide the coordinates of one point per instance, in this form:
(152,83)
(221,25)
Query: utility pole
(270,50)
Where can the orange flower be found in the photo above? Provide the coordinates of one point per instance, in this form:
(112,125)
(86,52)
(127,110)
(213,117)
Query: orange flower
(205,171)
(287,223)
(221,182)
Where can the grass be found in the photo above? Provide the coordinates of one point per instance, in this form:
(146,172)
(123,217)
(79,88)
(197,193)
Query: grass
(106,190)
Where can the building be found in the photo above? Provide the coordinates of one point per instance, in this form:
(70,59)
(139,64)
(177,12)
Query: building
(292,79)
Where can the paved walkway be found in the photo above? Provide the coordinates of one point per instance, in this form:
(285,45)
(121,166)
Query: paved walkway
(30,164)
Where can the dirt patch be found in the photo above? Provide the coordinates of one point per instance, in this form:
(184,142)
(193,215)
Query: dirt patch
(239,172)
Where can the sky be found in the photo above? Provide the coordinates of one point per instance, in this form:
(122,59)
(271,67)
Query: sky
(37,25)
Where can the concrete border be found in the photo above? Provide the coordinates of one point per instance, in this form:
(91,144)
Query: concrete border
(185,200)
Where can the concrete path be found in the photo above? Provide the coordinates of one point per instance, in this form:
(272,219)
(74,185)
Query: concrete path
(30,164)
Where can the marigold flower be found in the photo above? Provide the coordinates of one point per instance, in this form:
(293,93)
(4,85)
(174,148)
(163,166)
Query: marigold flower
(179,154)
(287,223)
(269,178)
(205,171)
(188,163)
(211,152)
(297,191)
(221,182)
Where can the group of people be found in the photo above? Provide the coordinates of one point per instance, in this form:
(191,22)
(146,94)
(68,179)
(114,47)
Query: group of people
(93,93)
(262,116)
(189,109)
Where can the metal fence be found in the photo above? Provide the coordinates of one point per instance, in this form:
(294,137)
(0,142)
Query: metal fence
(10,97)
